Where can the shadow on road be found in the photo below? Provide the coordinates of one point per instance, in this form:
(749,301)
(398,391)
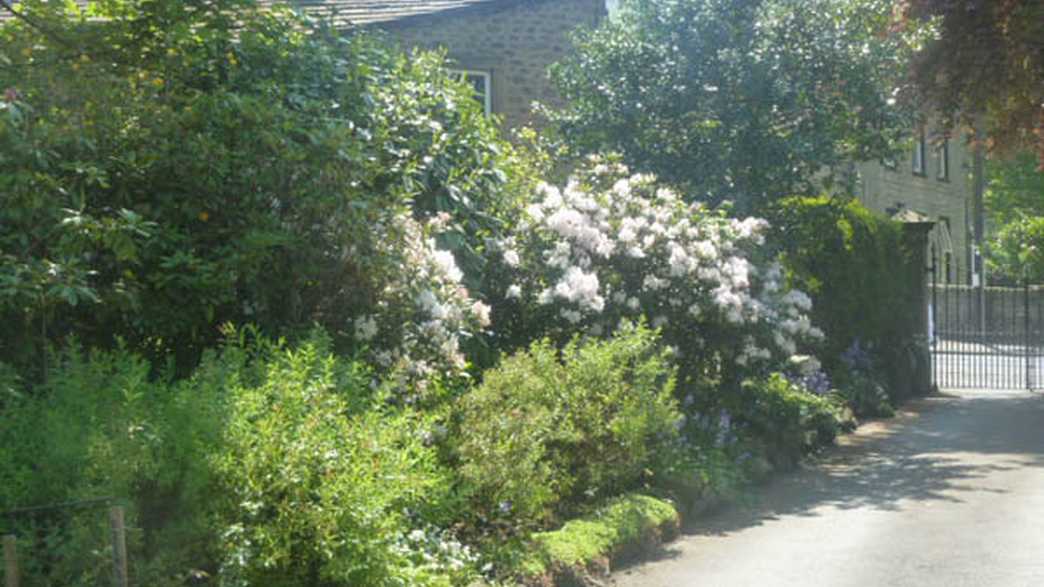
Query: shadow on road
(934,451)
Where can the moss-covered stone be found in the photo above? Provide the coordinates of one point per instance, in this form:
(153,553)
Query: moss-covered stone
(624,528)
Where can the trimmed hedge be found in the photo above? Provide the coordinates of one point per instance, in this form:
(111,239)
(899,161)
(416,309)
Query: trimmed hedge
(854,264)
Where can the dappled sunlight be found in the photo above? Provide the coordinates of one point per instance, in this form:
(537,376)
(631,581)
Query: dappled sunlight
(946,454)
(937,450)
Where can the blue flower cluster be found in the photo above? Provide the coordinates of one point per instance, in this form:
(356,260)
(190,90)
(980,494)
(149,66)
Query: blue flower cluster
(857,357)
(817,382)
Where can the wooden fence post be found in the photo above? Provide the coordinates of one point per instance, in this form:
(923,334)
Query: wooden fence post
(119,546)
(10,561)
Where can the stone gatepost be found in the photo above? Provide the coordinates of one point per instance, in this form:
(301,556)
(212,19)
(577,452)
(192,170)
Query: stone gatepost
(915,376)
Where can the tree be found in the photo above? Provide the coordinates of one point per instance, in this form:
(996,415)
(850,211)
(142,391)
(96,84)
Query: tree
(1015,203)
(746,100)
(171,166)
(987,59)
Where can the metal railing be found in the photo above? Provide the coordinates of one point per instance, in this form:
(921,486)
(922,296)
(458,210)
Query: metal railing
(986,337)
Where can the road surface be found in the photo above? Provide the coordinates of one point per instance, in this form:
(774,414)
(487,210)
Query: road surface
(950,493)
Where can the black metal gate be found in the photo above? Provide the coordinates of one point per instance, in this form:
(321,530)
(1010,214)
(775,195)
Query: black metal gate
(985,337)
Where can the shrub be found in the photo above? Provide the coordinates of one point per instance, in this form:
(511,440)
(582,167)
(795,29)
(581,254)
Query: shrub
(269,465)
(250,168)
(323,485)
(418,319)
(549,430)
(104,426)
(611,247)
(781,418)
(866,396)
(852,262)
(860,387)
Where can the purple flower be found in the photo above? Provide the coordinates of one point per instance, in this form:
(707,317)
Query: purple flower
(817,382)
(856,357)
(11,95)
(724,429)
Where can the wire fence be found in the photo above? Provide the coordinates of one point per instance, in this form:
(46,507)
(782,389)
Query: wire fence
(33,537)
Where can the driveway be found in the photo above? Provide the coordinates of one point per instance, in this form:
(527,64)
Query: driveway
(949,493)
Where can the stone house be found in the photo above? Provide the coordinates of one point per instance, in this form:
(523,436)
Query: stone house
(503,47)
(935,181)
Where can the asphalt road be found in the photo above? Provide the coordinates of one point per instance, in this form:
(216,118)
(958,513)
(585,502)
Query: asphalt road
(950,493)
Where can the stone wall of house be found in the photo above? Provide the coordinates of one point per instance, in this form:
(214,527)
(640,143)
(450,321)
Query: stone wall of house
(513,41)
(942,200)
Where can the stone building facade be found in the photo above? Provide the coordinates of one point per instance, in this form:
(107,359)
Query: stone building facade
(934,181)
(505,47)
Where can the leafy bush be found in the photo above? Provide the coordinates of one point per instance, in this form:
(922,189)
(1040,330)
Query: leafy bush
(852,262)
(258,168)
(268,465)
(745,101)
(104,426)
(866,396)
(550,430)
(609,247)
(322,483)
(860,387)
(1015,250)
(781,418)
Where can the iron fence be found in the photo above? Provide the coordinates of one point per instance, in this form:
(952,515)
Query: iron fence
(988,337)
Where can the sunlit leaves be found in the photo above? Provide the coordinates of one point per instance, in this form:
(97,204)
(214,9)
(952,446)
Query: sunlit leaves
(744,100)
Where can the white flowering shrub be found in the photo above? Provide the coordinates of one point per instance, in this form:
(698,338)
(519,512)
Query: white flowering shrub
(436,558)
(610,246)
(419,311)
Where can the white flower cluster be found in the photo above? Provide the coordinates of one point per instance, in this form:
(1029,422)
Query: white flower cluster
(421,311)
(435,551)
(608,246)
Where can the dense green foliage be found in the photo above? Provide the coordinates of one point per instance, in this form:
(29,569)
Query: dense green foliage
(851,262)
(1004,87)
(550,430)
(1014,188)
(743,100)
(865,395)
(103,427)
(782,420)
(268,466)
(178,172)
(1016,250)
(172,169)
(1015,207)
(319,477)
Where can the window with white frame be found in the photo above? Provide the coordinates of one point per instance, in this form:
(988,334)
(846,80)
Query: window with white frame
(482,83)
(942,158)
(919,164)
